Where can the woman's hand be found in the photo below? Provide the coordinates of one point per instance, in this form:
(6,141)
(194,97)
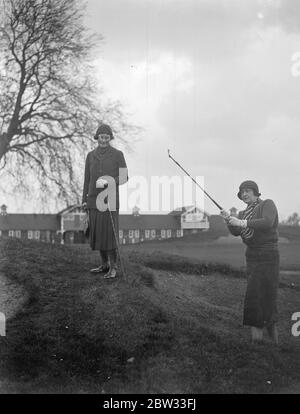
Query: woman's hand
(101,183)
(84,206)
(225,214)
(233,221)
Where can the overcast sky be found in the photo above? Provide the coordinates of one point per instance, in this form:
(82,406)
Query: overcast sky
(213,81)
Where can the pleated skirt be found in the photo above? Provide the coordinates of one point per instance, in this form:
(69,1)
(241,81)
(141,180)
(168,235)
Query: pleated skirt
(101,232)
(260,305)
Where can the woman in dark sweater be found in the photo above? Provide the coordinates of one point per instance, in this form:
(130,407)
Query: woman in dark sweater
(257,225)
(105,170)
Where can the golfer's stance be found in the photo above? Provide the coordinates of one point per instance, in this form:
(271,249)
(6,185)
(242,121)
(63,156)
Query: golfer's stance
(102,168)
(257,225)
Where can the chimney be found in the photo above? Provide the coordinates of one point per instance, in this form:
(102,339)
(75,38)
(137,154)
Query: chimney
(136,211)
(3,210)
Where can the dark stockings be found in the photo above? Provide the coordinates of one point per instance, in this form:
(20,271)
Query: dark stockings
(109,256)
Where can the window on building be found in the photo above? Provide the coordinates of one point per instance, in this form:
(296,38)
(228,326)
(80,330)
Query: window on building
(69,217)
(169,233)
(179,233)
(137,234)
(37,234)
(130,234)
(147,234)
(18,234)
(11,233)
(163,233)
(121,234)
(153,233)
(30,234)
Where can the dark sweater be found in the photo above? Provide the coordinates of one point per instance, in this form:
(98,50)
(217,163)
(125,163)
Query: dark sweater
(102,163)
(264,223)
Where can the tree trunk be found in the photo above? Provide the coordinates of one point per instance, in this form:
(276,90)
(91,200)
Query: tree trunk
(3,145)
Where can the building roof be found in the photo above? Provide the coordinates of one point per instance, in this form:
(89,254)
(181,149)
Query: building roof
(148,222)
(29,222)
(69,209)
(181,210)
(178,211)
(52,222)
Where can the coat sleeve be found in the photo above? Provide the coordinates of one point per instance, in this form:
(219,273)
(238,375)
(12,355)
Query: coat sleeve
(122,178)
(86,180)
(269,215)
(234,230)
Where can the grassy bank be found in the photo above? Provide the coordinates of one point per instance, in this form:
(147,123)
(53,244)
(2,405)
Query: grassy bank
(173,327)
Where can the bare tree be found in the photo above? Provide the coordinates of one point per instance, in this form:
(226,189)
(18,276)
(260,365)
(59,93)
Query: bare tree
(293,220)
(49,107)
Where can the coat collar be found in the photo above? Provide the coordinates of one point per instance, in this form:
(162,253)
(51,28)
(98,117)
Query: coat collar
(100,156)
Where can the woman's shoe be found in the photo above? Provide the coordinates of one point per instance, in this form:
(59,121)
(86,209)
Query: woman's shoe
(111,274)
(100,269)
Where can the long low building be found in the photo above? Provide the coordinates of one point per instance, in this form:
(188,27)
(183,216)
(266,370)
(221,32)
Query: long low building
(43,227)
(67,225)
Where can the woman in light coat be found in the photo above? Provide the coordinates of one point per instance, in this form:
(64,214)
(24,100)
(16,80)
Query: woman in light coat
(105,170)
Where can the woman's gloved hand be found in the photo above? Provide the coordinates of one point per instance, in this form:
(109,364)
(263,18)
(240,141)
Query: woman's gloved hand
(225,214)
(101,183)
(233,221)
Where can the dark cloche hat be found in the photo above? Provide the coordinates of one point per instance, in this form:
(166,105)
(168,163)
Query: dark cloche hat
(248,184)
(104,129)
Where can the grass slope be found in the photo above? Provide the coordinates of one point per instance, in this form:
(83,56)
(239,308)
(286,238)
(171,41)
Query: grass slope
(173,327)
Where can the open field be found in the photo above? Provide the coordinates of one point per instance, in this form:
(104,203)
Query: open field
(225,250)
(174,327)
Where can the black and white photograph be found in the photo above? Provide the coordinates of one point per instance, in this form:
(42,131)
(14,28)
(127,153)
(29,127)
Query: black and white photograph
(149,199)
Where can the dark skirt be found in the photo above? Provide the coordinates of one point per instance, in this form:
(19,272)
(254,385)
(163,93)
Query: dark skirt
(260,306)
(101,234)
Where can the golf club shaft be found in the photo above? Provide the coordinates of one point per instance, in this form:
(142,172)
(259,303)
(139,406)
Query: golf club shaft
(205,192)
(117,244)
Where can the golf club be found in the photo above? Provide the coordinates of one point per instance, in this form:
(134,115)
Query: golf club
(176,162)
(117,243)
